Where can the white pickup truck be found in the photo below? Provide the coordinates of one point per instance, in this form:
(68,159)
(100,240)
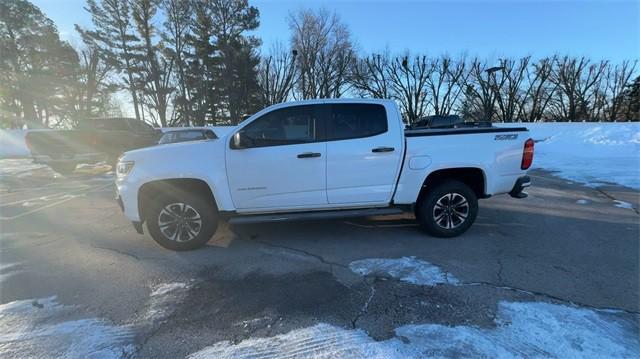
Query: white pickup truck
(321,159)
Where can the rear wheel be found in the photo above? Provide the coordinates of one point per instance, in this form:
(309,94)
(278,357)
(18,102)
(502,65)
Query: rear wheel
(448,209)
(181,224)
(63,168)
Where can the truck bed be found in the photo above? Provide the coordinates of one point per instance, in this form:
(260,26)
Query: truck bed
(460,131)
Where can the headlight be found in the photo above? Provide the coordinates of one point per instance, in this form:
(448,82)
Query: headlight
(123,168)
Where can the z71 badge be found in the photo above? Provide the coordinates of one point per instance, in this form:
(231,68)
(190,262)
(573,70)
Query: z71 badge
(506,137)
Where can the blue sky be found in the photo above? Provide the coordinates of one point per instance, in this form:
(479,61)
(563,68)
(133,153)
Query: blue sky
(603,29)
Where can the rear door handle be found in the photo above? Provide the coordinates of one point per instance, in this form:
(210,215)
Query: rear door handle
(383,149)
(309,155)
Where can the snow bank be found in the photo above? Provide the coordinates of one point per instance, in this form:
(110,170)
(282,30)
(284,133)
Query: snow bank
(522,330)
(43,328)
(37,329)
(12,144)
(591,153)
(406,269)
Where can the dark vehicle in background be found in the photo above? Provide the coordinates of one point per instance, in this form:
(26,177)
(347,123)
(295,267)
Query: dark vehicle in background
(92,141)
(184,134)
(444,122)
(451,121)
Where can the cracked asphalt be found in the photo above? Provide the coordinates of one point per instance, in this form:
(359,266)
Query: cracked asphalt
(66,237)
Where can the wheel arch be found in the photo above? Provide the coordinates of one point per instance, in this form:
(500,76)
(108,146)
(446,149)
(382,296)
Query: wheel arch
(473,177)
(176,187)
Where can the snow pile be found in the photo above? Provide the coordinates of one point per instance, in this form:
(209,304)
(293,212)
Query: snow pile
(406,269)
(522,330)
(591,153)
(37,329)
(622,204)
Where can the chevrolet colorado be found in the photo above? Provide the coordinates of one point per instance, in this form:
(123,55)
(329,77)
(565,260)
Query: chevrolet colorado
(320,159)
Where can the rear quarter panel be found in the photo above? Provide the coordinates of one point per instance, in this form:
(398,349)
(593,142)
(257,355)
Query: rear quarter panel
(498,156)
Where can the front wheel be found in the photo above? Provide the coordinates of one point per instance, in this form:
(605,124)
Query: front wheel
(448,209)
(182,224)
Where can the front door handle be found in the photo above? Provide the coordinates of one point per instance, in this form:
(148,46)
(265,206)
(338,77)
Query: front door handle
(309,155)
(383,149)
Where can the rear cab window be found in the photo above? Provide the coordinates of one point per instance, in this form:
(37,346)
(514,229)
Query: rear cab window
(348,121)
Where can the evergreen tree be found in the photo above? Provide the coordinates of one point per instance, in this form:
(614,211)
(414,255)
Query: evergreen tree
(154,80)
(631,102)
(178,17)
(222,68)
(201,66)
(114,39)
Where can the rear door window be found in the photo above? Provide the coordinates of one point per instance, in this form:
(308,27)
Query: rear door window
(348,121)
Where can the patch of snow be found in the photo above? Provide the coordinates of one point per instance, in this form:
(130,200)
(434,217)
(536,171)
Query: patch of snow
(522,330)
(406,269)
(319,341)
(590,153)
(164,298)
(38,329)
(622,204)
(583,201)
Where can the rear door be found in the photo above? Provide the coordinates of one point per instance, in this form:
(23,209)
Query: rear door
(363,153)
(285,165)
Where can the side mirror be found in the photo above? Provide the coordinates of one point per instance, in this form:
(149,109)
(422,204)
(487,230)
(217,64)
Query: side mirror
(240,140)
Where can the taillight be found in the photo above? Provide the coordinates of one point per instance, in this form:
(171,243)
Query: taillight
(527,154)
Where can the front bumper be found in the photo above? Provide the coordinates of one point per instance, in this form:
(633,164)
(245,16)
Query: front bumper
(136,224)
(522,183)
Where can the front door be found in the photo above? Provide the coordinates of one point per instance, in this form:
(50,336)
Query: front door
(282,164)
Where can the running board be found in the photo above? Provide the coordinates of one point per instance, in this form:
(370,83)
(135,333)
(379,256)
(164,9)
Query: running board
(312,216)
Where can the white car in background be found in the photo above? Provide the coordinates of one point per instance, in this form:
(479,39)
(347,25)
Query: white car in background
(183,134)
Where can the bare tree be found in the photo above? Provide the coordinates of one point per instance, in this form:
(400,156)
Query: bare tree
(277,75)
(445,84)
(325,53)
(93,82)
(370,76)
(576,80)
(408,76)
(510,96)
(538,90)
(482,91)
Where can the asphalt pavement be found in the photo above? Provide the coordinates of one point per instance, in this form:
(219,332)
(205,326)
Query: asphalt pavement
(77,280)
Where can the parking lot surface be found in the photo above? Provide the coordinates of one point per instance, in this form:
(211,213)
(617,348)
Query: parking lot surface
(553,273)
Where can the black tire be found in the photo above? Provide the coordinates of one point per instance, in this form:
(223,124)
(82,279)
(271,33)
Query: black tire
(448,209)
(63,168)
(159,212)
